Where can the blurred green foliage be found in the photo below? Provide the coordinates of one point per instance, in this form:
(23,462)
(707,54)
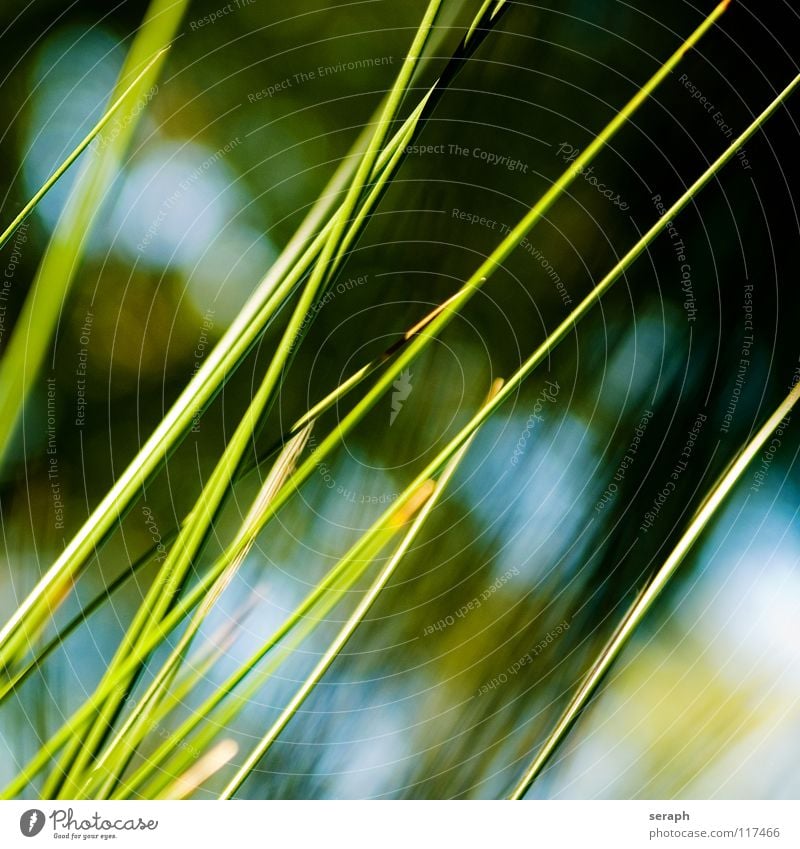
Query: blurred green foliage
(252,112)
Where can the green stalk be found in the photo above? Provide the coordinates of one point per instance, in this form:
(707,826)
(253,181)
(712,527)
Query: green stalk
(44,597)
(317,410)
(348,629)
(307,419)
(35,326)
(324,596)
(379,534)
(117,753)
(414,348)
(312,414)
(225,703)
(433,467)
(88,709)
(34,329)
(194,532)
(163,592)
(645,601)
(544,350)
(69,161)
(227,354)
(223,360)
(306,469)
(81,618)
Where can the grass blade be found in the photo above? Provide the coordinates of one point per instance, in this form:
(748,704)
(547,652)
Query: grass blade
(199,773)
(423,338)
(34,329)
(292,632)
(70,160)
(429,494)
(433,467)
(87,610)
(197,526)
(223,360)
(129,735)
(317,410)
(380,533)
(539,355)
(646,599)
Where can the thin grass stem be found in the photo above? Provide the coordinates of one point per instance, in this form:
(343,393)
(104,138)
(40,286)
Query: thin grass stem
(429,493)
(646,599)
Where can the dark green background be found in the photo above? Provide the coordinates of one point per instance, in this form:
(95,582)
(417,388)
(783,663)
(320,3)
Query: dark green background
(705,702)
